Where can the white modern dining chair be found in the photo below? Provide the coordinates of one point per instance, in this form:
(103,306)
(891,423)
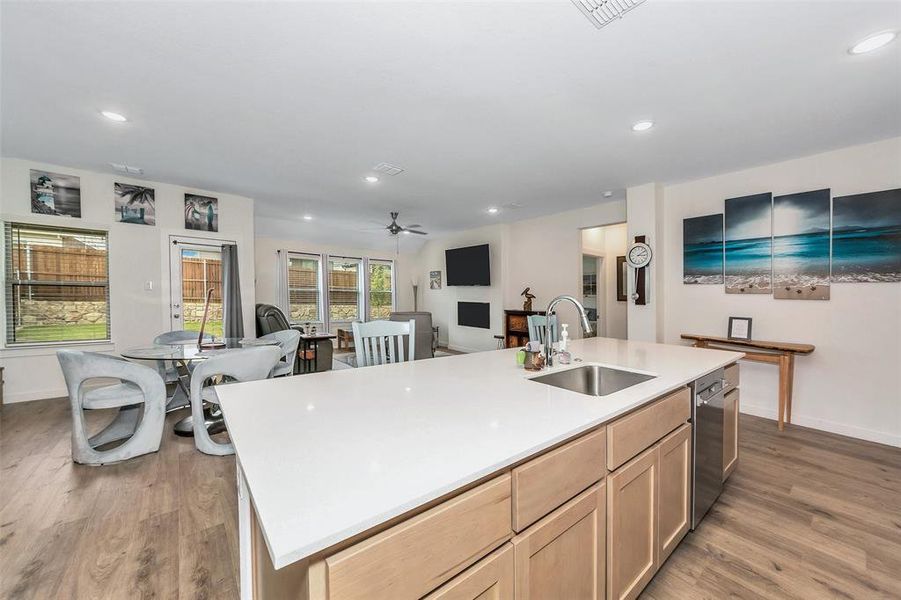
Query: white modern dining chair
(538,328)
(381,342)
(168,370)
(288,340)
(140,397)
(249,364)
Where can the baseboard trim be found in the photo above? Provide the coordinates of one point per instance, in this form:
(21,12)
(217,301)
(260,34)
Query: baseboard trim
(859,433)
(16,397)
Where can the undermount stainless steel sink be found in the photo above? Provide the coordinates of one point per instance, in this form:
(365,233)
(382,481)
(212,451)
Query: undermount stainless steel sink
(593,380)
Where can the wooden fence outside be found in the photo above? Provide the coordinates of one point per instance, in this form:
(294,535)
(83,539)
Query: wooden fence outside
(197,276)
(53,263)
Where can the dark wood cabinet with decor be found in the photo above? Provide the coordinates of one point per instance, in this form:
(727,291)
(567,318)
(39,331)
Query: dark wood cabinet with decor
(516,327)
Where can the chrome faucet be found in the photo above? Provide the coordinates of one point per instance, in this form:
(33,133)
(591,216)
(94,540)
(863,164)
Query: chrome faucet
(549,345)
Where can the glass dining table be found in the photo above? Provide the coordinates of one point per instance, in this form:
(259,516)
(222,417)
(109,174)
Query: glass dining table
(184,355)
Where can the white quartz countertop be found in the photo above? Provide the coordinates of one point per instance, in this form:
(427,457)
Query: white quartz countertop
(330,455)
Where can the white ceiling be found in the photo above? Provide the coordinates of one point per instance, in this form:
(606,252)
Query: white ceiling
(483,103)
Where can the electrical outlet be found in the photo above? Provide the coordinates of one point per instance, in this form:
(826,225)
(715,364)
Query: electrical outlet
(148,286)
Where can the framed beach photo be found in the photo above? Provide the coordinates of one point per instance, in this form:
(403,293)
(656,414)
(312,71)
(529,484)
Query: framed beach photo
(740,328)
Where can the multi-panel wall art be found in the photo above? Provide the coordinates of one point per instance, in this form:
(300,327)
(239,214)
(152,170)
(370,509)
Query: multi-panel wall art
(796,245)
(801,246)
(866,237)
(749,244)
(702,249)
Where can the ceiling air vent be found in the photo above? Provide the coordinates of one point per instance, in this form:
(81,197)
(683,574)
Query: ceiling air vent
(388,169)
(603,12)
(126,169)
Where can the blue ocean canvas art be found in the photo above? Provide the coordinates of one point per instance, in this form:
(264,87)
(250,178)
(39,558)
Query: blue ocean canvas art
(702,249)
(866,237)
(749,244)
(801,246)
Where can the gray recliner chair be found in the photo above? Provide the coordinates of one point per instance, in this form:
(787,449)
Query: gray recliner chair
(423,343)
(271,319)
(140,397)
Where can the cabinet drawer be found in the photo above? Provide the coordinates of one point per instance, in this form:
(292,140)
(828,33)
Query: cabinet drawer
(420,554)
(543,484)
(628,436)
(489,579)
(732,376)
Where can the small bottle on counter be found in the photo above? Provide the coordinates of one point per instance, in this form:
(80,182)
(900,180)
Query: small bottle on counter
(563,355)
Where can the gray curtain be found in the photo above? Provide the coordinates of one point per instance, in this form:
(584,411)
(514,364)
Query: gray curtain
(232,319)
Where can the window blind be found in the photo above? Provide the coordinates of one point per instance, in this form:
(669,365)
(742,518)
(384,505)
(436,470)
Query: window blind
(304,289)
(344,289)
(57,284)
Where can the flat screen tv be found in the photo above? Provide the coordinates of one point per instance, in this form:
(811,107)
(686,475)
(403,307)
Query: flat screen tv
(474,314)
(468,266)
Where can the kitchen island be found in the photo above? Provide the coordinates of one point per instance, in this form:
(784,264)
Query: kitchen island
(398,480)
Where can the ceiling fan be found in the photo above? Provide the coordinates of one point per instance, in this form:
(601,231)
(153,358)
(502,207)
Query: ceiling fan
(394,228)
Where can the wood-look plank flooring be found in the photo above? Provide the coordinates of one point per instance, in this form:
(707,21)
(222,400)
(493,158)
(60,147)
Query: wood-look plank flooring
(805,515)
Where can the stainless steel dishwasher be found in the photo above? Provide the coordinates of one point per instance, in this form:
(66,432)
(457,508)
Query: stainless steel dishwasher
(707,443)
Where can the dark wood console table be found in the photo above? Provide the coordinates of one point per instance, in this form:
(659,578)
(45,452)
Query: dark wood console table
(775,353)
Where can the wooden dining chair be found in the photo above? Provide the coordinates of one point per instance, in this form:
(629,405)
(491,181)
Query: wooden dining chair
(382,342)
(538,327)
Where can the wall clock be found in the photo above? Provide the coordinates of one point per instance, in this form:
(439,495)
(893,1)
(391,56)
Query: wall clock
(639,257)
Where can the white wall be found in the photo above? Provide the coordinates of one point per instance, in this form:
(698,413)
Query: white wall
(138,254)
(443,303)
(644,210)
(609,241)
(851,384)
(267,266)
(543,253)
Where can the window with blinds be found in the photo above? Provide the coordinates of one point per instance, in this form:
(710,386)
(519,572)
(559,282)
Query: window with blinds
(57,284)
(344,289)
(304,289)
(381,288)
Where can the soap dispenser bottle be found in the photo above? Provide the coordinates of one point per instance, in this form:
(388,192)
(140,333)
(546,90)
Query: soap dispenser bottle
(563,354)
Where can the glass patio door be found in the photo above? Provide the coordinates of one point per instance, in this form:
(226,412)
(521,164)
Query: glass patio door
(196,267)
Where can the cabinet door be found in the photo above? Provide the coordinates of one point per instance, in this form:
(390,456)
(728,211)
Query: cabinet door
(562,555)
(674,493)
(730,433)
(489,579)
(632,547)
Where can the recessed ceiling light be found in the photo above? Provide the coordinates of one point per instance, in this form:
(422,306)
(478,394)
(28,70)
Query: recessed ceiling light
(113,116)
(642,125)
(873,42)
(492,210)
(371,179)
(308,217)
(608,194)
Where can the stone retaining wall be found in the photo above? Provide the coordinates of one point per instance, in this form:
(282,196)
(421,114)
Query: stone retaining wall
(61,312)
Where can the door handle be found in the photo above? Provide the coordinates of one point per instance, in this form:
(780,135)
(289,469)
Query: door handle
(176,316)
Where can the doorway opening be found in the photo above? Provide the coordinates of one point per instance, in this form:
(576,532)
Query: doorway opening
(195,267)
(603,288)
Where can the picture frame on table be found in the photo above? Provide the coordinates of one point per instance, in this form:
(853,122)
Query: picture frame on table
(740,328)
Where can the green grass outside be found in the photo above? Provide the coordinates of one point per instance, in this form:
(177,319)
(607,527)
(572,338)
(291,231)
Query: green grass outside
(212,327)
(61,333)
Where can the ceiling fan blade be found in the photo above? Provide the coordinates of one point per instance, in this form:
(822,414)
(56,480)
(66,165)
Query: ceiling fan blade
(416,231)
(413,226)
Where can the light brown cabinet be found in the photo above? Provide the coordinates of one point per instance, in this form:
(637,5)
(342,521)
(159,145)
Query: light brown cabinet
(648,513)
(563,554)
(674,491)
(489,579)
(730,432)
(632,526)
